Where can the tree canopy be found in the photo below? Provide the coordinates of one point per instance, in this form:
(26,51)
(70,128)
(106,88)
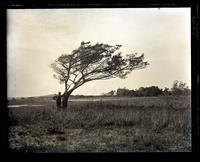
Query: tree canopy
(94,62)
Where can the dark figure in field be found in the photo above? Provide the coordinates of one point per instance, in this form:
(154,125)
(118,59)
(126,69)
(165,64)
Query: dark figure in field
(58,101)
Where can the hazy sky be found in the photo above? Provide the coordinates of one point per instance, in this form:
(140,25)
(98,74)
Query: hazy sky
(36,37)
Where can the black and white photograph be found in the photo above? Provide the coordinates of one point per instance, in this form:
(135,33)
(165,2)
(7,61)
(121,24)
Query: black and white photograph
(82,80)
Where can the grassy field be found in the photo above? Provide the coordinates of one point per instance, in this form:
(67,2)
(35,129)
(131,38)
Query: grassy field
(109,124)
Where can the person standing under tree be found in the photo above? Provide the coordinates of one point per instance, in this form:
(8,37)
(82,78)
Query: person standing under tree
(58,101)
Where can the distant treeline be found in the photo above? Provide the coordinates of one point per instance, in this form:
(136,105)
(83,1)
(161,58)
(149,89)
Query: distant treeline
(178,88)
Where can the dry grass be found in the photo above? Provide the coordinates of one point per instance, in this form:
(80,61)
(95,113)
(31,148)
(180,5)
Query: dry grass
(126,124)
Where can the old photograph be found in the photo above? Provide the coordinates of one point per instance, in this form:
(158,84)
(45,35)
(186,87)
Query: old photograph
(99,80)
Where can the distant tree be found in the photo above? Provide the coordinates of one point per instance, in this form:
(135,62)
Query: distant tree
(93,62)
(175,84)
(149,91)
(152,91)
(179,88)
(132,93)
(120,92)
(166,91)
(141,91)
(123,92)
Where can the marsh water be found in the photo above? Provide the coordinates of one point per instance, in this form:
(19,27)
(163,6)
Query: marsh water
(23,105)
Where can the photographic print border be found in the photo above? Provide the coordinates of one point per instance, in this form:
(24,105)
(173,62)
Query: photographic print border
(7,155)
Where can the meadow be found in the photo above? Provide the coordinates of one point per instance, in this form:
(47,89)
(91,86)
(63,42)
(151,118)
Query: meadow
(103,124)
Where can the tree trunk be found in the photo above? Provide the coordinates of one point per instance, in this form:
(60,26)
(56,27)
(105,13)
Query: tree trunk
(65,101)
(65,97)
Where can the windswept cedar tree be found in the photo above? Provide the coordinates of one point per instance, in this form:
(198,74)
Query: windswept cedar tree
(93,62)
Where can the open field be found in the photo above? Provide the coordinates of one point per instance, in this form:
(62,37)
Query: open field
(109,124)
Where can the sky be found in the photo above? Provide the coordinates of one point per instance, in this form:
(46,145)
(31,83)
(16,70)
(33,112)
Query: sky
(36,37)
